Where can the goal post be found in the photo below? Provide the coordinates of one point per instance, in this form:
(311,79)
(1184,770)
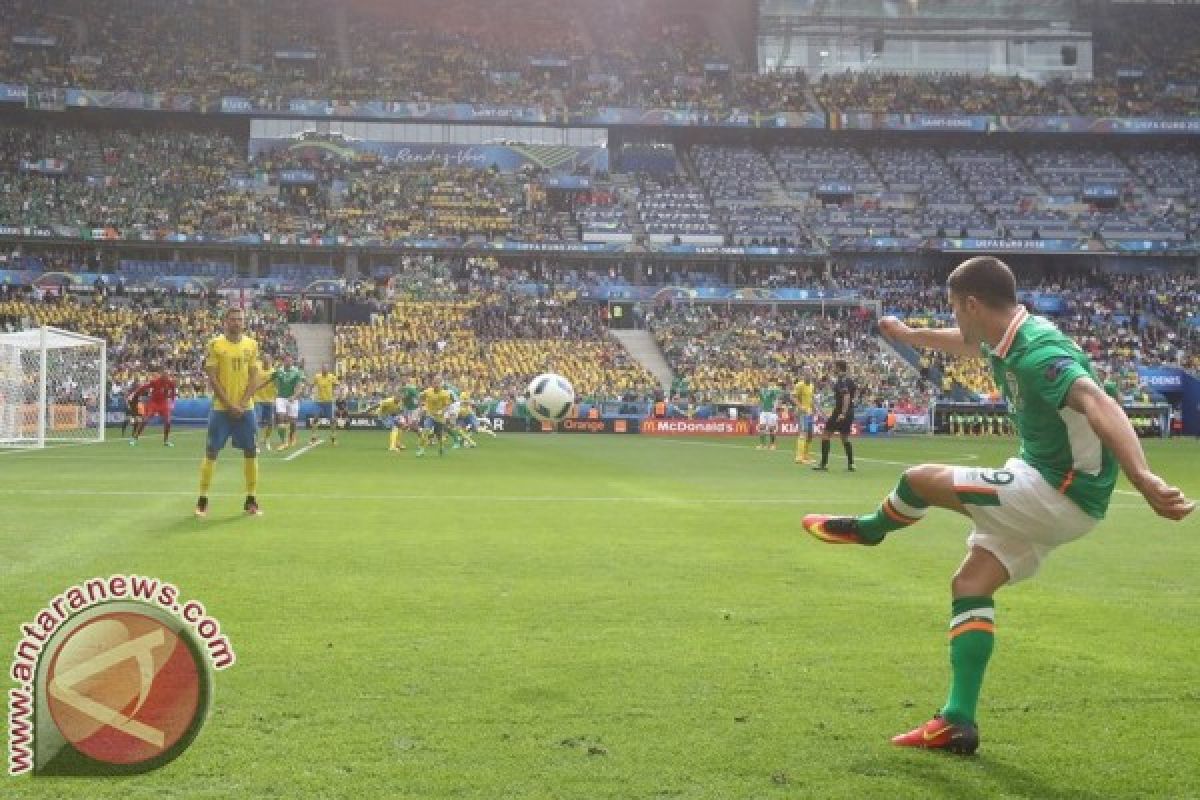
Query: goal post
(52,388)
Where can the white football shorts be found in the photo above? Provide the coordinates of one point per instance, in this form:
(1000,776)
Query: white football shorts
(1019,517)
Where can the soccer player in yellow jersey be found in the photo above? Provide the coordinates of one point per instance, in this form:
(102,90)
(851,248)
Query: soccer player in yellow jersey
(435,399)
(803,395)
(391,411)
(323,385)
(231,362)
(264,401)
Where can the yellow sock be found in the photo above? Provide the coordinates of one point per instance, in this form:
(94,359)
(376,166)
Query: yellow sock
(250,468)
(206,472)
(393,437)
(807,443)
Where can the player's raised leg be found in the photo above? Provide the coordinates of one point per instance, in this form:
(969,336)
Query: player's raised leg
(918,489)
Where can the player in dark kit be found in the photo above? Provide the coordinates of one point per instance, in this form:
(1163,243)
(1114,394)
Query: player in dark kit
(841,420)
(133,410)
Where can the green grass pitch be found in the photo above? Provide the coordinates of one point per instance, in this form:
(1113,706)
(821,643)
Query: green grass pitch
(615,617)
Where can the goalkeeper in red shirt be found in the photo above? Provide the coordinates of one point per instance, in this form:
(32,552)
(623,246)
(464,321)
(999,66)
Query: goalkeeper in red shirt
(162,392)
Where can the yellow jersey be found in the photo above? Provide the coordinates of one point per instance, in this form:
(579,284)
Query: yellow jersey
(267,393)
(436,401)
(233,362)
(803,393)
(389,406)
(325,383)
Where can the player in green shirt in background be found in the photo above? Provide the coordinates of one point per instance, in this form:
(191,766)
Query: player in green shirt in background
(1073,437)
(768,415)
(288,380)
(1110,386)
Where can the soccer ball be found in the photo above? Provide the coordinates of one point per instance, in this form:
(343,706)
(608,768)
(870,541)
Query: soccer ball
(550,397)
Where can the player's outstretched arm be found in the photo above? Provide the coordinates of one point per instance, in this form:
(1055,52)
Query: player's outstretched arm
(947,340)
(1108,420)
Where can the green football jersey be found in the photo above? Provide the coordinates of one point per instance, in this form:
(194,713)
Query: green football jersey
(767,399)
(411,397)
(287,379)
(1035,366)
(1111,389)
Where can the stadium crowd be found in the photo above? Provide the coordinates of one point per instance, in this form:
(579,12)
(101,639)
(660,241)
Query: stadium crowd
(146,333)
(728,353)
(125,183)
(568,54)
(488,344)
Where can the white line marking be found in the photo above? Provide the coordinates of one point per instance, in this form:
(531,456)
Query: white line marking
(304,450)
(24,451)
(440,498)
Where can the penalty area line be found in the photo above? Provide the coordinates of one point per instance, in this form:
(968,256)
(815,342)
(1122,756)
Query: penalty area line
(303,450)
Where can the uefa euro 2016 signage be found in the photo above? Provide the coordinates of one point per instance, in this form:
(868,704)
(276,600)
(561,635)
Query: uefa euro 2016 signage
(1164,379)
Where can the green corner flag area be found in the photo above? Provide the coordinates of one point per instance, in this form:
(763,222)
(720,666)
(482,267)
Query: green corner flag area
(612,617)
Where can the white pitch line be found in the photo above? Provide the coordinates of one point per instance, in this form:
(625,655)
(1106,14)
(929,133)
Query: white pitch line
(303,450)
(25,451)
(753,501)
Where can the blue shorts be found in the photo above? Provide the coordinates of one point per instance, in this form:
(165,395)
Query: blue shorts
(807,423)
(266,413)
(432,423)
(222,427)
(469,423)
(325,410)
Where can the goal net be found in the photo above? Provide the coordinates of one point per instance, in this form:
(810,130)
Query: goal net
(52,388)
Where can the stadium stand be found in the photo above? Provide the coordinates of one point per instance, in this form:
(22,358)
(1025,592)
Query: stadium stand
(147,332)
(637,55)
(489,321)
(489,345)
(728,353)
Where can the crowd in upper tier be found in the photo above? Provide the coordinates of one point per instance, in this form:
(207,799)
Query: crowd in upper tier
(564,54)
(154,184)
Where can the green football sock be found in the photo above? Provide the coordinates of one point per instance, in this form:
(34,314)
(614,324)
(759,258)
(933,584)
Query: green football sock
(972,636)
(901,508)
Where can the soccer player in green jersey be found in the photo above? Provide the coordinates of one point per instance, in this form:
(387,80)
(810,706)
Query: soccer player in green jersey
(768,415)
(410,397)
(1073,437)
(288,380)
